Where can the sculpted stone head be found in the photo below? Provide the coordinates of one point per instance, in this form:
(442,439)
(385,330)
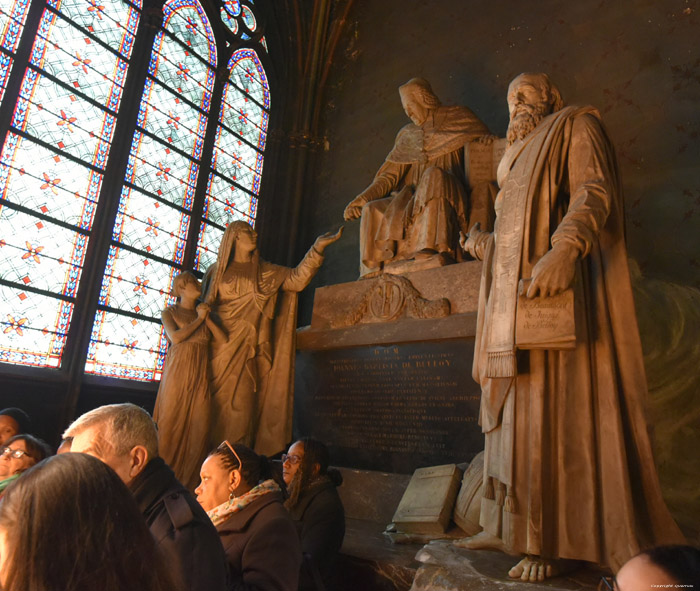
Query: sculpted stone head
(531,97)
(418,99)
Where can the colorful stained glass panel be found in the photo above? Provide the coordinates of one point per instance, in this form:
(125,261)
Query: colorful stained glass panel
(151,226)
(248,18)
(36,178)
(248,74)
(32,327)
(135,283)
(187,21)
(232,164)
(226,202)
(65,52)
(39,254)
(72,125)
(162,171)
(167,117)
(245,117)
(112,21)
(12,17)
(208,246)
(182,72)
(233,7)
(230,21)
(126,348)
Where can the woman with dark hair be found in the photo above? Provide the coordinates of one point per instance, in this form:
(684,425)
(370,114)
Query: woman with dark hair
(244,501)
(20,453)
(13,421)
(316,509)
(71,524)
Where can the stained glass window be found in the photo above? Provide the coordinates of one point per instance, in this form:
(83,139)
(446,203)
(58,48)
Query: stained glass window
(12,16)
(150,232)
(240,19)
(234,182)
(61,123)
(52,163)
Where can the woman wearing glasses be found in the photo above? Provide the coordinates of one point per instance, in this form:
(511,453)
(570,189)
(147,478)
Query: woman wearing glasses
(244,501)
(316,509)
(20,453)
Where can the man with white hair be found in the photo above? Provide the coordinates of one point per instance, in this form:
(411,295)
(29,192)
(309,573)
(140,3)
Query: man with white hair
(568,469)
(124,437)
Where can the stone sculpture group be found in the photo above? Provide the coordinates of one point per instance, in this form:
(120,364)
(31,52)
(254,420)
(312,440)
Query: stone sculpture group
(568,471)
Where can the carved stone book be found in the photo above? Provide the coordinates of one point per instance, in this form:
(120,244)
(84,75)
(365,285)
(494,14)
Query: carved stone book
(545,322)
(426,506)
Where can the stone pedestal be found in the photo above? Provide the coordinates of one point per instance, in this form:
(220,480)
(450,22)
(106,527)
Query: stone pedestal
(445,567)
(383,374)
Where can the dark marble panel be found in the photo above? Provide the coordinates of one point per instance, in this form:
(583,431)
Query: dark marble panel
(390,408)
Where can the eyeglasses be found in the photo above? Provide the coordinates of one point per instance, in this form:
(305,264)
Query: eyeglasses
(291,458)
(233,451)
(14,453)
(606,584)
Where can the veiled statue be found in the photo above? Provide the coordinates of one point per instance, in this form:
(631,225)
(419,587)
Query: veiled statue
(254,302)
(569,473)
(418,201)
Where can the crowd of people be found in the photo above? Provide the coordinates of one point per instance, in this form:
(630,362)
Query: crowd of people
(111,515)
(80,518)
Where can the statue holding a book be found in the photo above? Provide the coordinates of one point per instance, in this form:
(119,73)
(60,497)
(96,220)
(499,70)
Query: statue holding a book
(569,474)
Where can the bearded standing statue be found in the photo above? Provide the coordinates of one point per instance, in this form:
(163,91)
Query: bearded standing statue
(417,203)
(569,473)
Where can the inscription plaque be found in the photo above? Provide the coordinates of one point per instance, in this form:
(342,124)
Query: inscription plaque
(390,408)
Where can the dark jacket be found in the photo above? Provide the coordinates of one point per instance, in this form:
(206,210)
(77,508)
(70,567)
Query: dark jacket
(262,546)
(320,520)
(182,529)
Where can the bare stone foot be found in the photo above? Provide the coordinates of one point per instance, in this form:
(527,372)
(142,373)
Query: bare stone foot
(534,568)
(482,541)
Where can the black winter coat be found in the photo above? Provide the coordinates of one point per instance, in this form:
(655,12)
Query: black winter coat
(320,520)
(262,546)
(183,531)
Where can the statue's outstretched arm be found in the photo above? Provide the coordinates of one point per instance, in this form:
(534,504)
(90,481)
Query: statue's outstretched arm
(300,276)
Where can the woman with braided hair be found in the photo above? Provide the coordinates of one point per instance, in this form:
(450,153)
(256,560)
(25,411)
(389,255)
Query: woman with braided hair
(244,501)
(316,509)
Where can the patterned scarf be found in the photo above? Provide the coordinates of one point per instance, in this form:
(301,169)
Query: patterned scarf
(222,512)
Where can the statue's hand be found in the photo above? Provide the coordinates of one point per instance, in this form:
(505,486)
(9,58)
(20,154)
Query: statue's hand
(554,272)
(203,309)
(487,140)
(353,211)
(326,239)
(473,242)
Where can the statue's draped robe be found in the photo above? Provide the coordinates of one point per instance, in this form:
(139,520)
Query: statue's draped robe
(252,370)
(424,179)
(569,471)
(182,409)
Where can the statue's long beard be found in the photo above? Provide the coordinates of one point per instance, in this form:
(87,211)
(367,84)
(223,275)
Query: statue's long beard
(524,119)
